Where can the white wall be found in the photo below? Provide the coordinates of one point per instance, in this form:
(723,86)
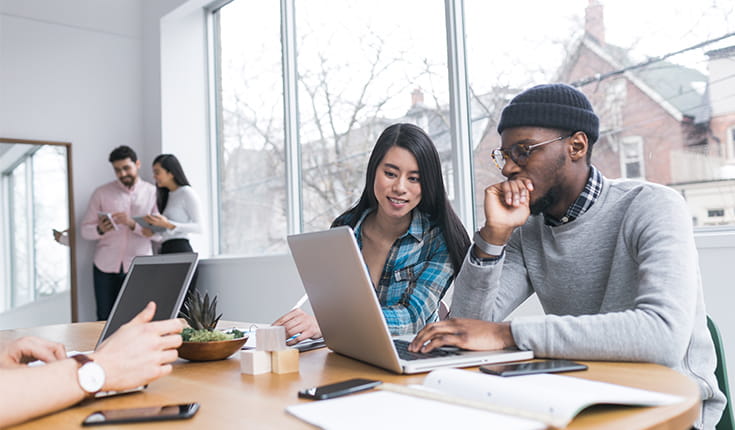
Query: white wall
(716,258)
(184,117)
(71,71)
(258,289)
(86,72)
(45,311)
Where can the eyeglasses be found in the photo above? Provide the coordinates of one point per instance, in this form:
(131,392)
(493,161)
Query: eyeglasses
(519,153)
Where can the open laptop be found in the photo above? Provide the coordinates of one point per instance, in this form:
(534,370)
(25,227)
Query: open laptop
(163,279)
(346,307)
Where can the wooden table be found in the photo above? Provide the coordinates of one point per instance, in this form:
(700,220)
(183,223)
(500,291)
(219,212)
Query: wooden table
(231,400)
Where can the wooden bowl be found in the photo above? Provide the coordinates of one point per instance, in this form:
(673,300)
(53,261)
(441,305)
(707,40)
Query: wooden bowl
(209,351)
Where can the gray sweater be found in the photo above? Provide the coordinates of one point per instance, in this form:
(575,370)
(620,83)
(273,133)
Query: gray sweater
(621,282)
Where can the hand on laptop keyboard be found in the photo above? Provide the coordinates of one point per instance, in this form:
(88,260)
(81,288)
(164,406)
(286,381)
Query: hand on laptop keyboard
(405,354)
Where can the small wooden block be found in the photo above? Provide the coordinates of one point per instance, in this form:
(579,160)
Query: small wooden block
(270,338)
(285,361)
(253,362)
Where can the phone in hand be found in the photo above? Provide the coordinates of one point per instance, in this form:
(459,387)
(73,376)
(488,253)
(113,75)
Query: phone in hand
(107,216)
(338,389)
(531,367)
(137,415)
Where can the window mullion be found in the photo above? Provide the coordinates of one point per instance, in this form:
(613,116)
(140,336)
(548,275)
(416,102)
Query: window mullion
(290,118)
(216,139)
(30,227)
(459,113)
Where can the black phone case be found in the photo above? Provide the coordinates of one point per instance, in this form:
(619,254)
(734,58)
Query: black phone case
(338,389)
(139,419)
(530,368)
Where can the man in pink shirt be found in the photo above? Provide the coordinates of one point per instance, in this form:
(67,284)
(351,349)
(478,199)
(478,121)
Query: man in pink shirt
(109,221)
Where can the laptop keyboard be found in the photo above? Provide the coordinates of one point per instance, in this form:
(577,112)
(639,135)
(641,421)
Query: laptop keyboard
(405,354)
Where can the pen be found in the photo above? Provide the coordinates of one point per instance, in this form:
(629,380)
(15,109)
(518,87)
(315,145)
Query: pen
(301,301)
(293,337)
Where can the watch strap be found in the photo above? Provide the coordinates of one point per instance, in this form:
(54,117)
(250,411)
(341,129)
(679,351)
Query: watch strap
(484,246)
(82,359)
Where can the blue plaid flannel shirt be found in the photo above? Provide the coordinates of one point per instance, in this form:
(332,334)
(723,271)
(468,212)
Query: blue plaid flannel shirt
(417,273)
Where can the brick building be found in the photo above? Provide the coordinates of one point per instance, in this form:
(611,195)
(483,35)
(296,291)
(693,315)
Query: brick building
(659,121)
(649,116)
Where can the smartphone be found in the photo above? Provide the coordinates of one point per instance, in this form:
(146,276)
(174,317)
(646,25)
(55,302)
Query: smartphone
(338,389)
(530,367)
(109,218)
(309,344)
(137,415)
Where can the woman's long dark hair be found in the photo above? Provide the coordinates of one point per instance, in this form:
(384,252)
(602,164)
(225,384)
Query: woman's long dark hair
(169,163)
(434,202)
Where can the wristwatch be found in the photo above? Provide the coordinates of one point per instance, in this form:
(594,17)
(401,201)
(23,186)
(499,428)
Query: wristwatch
(487,248)
(91,375)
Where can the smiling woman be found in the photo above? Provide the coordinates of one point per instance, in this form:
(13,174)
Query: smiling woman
(36,236)
(410,238)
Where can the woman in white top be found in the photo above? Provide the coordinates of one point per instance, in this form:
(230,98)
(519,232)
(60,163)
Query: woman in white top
(177,203)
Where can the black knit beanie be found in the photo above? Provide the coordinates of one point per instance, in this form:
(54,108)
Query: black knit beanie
(552,106)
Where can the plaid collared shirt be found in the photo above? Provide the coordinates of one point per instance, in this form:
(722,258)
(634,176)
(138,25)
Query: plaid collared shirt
(586,199)
(416,274)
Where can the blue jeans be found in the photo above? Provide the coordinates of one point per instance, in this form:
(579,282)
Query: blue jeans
(106,288)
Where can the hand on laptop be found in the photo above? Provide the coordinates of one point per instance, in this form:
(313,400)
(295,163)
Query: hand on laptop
(298,322)
(27,349)
(464,333)
(139,351)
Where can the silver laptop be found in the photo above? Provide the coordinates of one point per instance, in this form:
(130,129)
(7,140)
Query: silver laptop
(346,307)
(163,279)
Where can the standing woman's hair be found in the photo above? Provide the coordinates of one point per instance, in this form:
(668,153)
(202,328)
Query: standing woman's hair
(169,163)
(434,202)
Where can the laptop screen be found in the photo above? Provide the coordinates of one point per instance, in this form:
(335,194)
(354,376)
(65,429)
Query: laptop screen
(154,278)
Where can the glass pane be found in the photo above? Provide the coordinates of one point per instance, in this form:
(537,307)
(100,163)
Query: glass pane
(20,237)
(633,170)
(680,108)
(50,212)
(251,160)
(630,150)
(360,69)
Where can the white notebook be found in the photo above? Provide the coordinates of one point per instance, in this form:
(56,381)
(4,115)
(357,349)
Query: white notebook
(470,399)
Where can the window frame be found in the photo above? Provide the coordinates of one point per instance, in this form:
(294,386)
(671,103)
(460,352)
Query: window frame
(462,186)
(637,141)
(730,149)
(10,234)
(462,145)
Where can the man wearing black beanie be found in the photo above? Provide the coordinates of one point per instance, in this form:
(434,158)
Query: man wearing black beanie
(613,262)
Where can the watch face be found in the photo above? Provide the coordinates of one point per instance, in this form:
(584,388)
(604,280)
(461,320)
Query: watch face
(91,377)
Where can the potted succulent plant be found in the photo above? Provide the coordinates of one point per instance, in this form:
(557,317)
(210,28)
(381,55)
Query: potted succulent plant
(202,340)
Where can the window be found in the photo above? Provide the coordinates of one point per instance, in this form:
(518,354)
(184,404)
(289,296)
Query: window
(251,158)
(631,158)
(730,152)
(712,213)
(357,70)
(304,90)
(34,189)
(664,121)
